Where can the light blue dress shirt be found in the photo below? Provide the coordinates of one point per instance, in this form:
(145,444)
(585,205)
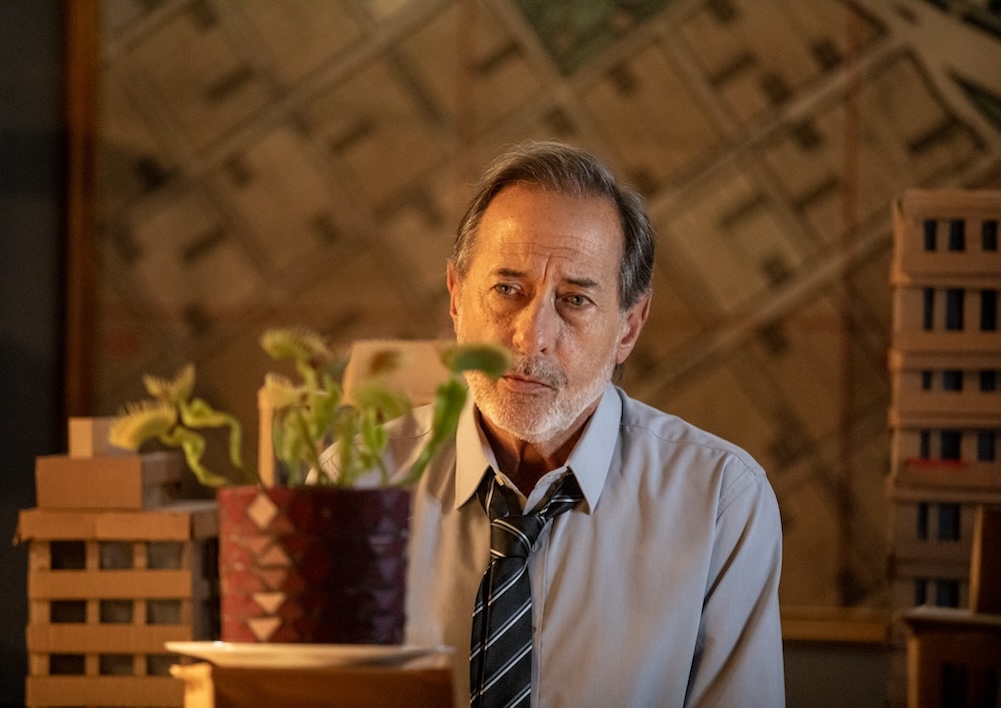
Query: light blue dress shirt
(659,589)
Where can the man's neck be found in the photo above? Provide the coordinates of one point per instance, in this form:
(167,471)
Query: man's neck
(526,463)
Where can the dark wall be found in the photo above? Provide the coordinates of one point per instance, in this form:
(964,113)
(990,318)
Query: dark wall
(31,245)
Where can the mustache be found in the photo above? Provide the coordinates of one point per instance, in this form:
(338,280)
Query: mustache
(540,368)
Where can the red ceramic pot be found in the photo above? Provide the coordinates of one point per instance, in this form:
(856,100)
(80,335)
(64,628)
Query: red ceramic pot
(313,564)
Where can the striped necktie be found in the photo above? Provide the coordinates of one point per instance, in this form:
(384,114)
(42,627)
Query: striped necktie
(500,657)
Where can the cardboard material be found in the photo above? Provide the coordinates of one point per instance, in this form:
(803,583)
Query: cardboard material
(88,437)
(946,643)
(419,373)
(108,584)
(942,260)
(265,439)
(116,568)
(985,562)
(113,586)
(105,638)
(103,691)
(175,522)
(115,482)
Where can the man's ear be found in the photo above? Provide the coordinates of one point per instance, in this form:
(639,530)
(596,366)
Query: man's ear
(632,324)
(454,288)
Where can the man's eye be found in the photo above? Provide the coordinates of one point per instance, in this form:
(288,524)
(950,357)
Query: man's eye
(504,289)
(576,300)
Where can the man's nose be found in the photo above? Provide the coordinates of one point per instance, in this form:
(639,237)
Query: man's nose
(535,327)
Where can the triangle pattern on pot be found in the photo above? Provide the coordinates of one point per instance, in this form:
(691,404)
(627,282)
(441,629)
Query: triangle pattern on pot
(258,542)
(273,577)
(264,627)
(269,601)
(274,557)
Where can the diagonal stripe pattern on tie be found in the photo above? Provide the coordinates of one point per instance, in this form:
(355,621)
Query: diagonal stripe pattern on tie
(500,656)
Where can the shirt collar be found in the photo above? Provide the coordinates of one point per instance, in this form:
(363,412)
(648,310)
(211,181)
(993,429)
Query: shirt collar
(473,456)
(589,460)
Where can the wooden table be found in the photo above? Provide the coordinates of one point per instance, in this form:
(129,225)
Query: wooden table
(209,686)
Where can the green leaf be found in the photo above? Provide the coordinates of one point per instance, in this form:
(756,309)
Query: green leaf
(346,431)
(325,406)
(373,434)
(491,359)
(281,392)
(193,445)
(199,414)
(173,390)
(140,422)
(297,343)
(374,394)
(450,397)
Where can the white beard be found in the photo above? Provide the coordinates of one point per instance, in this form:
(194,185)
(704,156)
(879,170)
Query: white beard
(536,419)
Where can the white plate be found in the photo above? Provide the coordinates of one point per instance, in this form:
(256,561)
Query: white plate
(250,655)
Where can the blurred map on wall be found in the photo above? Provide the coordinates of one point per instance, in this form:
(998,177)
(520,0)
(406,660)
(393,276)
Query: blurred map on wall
(267,162)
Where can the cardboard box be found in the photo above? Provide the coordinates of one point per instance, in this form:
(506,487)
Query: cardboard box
(115,555)
(946,643)
(106,590)
(419,371)
(88,437)
(113,482)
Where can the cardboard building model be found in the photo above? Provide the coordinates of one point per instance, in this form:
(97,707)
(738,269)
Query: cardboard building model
(116,568)
(945,370)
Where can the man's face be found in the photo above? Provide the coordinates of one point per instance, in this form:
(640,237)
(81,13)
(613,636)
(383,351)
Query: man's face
(543,281)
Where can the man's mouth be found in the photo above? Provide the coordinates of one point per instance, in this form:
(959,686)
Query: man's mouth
(525,384)
(533,375)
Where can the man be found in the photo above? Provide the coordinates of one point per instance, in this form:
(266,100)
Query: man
(658,587)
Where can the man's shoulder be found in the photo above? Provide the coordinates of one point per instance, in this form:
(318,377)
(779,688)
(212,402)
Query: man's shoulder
(676,440)
(658,444)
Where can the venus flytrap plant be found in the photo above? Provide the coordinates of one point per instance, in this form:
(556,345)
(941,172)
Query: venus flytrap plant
(173,417)
(310,414)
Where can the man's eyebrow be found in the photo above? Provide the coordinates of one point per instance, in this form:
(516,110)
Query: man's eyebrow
(509,272)
(583,282)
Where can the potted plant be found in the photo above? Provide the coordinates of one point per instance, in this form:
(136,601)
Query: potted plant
(320,556)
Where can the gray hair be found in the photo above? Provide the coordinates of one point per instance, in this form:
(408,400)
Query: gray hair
(564,169)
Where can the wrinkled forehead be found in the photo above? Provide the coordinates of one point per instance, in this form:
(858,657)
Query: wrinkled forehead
(530,217)
(524,224)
